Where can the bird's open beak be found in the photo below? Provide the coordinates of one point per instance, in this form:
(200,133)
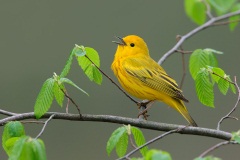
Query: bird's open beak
(121,41)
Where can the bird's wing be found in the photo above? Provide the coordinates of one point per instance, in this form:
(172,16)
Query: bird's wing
(153,76)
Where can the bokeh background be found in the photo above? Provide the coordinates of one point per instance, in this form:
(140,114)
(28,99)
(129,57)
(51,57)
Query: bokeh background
(36,38)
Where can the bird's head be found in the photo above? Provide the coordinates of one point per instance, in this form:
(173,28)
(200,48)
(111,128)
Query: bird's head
(130,46)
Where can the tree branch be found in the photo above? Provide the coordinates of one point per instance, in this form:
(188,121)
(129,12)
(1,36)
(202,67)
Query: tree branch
(194,31)
(216,146)
(124,120)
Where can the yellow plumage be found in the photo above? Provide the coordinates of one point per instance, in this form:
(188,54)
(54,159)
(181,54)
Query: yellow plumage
(143,78)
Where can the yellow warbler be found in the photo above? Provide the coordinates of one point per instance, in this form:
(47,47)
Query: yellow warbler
(144,78)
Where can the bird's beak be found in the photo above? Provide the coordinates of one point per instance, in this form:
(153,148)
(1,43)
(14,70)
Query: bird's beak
(121,41)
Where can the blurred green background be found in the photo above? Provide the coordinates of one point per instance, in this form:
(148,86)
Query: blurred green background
(36,38)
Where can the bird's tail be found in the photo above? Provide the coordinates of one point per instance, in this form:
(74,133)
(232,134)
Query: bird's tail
(181,108)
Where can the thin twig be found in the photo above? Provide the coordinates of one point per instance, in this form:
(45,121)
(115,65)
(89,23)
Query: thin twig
(184,71)
(7,113)
(223,78)
(183,63)
(208,9)
(112,81)
(234,108)
(215,147)
(37,122)
(73,102)
(225,23)
(124,120)
(194,31)
(184,52)
(149,142)
(44,126)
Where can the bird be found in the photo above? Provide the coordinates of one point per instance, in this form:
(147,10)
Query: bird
(144,78)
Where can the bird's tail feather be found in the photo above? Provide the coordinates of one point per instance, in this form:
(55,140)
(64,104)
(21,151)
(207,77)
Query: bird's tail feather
(180,107)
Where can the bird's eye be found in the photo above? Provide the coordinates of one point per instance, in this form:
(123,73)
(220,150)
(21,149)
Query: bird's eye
(132,44)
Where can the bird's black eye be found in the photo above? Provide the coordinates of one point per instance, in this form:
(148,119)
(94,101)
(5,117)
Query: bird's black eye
(132,44)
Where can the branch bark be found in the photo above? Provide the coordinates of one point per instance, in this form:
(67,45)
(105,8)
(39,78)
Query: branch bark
(124,120)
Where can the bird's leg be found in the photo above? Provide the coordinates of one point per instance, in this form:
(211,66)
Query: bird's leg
(145,106)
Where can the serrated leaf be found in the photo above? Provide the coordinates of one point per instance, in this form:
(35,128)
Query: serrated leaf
(208,158)
(44,99)
(66,80)
(212,60)
(200,59)
(38,149)
(222,6)
(233,25)
(28,149)
(97,76)
(217,71)
(121,147)
(154,154)
(114,138)
(204,88)
(236,136)
(223,86)
(139,139)
(232,86)
(67,67)
(58,94)
(89,68)
(11,133)
(196,11)
(17,148)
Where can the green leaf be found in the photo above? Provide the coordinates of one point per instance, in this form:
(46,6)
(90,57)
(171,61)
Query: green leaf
(139,139)
(232,86)
(38,149)
(196,11)
(223,86)
(114,139)
(79,50)
(154,154)
(204,88)
(121,147)
(11,133)
(217,71)
(58,94)
(67,67)
(200,59)
(222,6)
(211,58)
(233,25)
(44,99)
(17,148)
(97,76)
(236,136)
(28,149)
(207,158)
(66,80)
(90,69)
